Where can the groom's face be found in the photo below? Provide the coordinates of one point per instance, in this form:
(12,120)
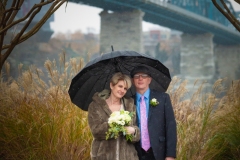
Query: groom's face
(141,81)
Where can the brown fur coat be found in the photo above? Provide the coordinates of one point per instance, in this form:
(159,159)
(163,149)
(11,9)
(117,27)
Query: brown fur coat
(98,114)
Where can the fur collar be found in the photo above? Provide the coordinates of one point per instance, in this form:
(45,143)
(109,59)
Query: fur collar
(100,99)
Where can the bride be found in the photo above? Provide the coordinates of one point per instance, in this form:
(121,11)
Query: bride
(100,109)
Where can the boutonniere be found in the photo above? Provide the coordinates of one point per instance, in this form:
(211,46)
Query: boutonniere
(154,102)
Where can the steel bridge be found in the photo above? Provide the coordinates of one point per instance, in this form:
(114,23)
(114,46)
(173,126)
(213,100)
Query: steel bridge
(188,16)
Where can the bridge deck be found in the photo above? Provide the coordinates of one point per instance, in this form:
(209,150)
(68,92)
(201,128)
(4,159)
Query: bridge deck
(171,16)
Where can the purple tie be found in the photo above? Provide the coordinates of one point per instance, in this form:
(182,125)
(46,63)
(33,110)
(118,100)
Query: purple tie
(144,125)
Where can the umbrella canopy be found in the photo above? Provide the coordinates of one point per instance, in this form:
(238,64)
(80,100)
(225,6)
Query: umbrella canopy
(96,75)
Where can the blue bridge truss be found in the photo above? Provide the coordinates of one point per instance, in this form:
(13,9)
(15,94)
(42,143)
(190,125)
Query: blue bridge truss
(188,16)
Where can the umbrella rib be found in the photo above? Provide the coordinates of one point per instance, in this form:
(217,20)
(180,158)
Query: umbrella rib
(109,63)
(101,75)
(127,64)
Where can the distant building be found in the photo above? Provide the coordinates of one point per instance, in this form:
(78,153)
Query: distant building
(152,38)
(150,42)
(164,45)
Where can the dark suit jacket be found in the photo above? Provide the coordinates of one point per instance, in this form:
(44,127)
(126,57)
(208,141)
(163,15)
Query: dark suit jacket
(161,127)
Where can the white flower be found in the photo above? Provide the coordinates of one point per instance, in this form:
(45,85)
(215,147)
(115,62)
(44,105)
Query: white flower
(117,121)
(154,102)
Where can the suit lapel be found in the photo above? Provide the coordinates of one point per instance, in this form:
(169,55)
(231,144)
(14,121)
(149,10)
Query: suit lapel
(150,107)
(135,102)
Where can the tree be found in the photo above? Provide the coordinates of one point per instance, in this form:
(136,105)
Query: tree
(9,19)
(224,8)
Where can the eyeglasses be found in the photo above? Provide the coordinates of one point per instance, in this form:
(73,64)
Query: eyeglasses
(137,76)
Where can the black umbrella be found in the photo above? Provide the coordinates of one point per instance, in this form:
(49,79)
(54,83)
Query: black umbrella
(96,75)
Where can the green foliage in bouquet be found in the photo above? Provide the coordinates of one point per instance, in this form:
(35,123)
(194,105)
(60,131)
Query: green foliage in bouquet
(117,122)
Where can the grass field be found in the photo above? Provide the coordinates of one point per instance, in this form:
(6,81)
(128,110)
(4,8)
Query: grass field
(38,120)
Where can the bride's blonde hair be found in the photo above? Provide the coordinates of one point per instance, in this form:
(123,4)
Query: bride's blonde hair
(121,77)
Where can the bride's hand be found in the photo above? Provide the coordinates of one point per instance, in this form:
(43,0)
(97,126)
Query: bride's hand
(130,130)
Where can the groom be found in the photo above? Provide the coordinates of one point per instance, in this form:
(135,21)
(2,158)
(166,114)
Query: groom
(156,121)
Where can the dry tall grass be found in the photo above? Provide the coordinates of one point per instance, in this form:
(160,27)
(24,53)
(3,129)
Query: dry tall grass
(38,120)
(207,123)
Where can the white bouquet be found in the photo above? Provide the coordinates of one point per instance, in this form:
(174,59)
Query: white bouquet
(117,121)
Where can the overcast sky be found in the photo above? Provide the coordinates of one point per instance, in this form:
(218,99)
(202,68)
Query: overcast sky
(82,17)
(235,5)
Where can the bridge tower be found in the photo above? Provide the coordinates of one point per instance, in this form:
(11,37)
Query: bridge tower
(197,58)
(227,60)
(122,30)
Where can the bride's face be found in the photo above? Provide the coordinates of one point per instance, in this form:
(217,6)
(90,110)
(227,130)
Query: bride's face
(119,90)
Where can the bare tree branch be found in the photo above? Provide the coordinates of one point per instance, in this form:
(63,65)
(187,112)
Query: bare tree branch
(227,13)
(7,21)
(36,28)
(14,11)
(36,6)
